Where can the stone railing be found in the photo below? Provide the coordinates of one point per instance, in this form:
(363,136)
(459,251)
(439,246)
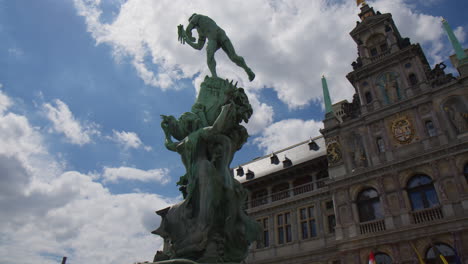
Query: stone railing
(427,215)
(380,56)
(372,227)
(296,190)
(303,188)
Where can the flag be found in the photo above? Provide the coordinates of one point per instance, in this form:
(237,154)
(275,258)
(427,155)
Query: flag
(371,258)
(358,2)
(438,253)
(421,260)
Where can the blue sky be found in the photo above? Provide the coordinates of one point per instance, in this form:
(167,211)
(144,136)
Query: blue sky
(83,84)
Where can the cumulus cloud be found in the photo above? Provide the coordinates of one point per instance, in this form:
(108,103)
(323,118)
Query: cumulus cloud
(50,212)
(460,34)
(128,140)
(286,133)
(64,122)
(291,45)
(127,173)
(4,102)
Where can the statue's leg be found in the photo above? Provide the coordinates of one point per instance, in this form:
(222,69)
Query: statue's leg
(211,48)
(238,60)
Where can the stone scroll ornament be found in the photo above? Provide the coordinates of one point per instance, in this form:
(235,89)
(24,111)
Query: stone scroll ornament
(210,225)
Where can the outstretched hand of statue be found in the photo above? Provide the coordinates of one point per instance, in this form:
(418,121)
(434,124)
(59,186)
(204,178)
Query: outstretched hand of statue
(182,37)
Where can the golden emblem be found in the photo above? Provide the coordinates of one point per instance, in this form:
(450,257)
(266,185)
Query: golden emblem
(333,151)
(402,130)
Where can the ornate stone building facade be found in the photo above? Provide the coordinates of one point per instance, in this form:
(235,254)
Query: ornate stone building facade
(388,176)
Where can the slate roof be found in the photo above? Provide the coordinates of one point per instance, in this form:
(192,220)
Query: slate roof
(297,154)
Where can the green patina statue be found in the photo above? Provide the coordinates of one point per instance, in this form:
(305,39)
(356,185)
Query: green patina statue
(217,38)
(210,225)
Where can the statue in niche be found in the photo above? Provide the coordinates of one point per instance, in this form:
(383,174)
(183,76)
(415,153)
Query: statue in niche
(217,38)
(210,225)
(457,118)
(359,158)
(438,77)
(388,84)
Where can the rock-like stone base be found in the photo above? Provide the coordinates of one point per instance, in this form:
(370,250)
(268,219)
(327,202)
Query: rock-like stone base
(181,261)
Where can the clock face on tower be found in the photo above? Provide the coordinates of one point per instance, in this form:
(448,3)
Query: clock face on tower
(388,83)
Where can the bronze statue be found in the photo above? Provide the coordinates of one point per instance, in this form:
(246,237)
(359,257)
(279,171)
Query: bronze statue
(217,38)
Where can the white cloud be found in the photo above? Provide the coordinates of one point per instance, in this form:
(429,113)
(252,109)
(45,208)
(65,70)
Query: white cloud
(262,115)
(129,140)
(4,102)
(64,122)
(53,213)
(460,34)
(127,173)
(291,45)
(286,133)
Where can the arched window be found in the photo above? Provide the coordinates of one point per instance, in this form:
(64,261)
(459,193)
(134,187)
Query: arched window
(377,44)
(465,171)
(421,192)
(368,203)
(433,254)
(368,97)
(380,144)
(382,258)
(413,80)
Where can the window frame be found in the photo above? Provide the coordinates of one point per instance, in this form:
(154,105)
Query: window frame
(307,220)
(265,243)
(284,226)
(422,190)
(367,205)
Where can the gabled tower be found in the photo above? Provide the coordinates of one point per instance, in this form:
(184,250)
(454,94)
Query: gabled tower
(388,68)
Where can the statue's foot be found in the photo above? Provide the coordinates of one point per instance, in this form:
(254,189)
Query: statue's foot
(251,74)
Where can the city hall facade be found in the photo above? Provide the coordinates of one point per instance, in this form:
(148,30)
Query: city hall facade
(389,175)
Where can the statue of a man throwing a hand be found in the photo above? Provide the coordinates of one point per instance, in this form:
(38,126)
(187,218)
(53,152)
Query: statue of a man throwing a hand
(217,38)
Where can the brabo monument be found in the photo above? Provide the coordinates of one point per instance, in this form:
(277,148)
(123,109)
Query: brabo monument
(210,224)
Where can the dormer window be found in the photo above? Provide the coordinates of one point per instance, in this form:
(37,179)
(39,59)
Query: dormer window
(287,162)
(274,159)
(240,171)
(313,145)
(250,175)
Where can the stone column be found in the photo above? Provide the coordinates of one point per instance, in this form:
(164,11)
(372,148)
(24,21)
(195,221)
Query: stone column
(396,254)
(404,209)
(447,207)
(352,229)
(291,188)
(338,227)
(387,214)
(269,193)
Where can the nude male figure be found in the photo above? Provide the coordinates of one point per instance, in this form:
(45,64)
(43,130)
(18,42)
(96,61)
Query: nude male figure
(217,38)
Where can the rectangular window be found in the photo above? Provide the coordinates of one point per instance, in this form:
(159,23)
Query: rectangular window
(331,223)
(265,242)
(373,52)
(380,145)
(283,226)
(307,222)
(430,129)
